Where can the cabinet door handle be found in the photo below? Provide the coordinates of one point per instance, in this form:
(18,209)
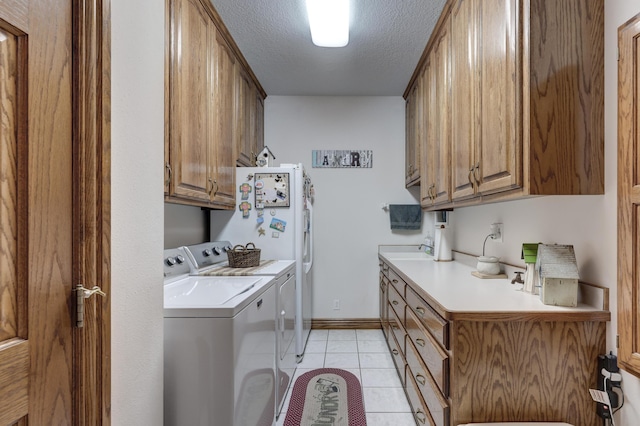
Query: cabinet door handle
(169,173)
(395,351)
(420,310)
(421,416)
(476,169)
(211,186)
(395,302)
(421,379)
(420,342)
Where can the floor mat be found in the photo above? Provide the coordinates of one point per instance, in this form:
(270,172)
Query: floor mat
(326,396)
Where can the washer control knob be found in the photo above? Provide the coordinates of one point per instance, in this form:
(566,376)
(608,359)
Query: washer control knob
(228,248)
(170,261)
(206,252)
(180,259)
(217,251)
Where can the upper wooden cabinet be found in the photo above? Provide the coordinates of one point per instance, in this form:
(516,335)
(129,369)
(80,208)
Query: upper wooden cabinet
(249,111)
(188,164)
(435,175)
(214,108)
(413,134)
(526,81)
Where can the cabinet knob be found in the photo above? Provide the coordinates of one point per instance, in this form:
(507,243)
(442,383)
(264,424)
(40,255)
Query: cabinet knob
(420,342)
(421,379)
(395,302)
(420,310)
(395,351)
(421,416)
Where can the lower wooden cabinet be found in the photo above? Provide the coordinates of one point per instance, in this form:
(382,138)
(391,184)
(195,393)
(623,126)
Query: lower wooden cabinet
(464,367)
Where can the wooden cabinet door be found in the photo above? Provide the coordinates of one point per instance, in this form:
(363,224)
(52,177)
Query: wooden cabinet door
(429,119)
(191,86)
(442,142)
(222,160)
(245,156)
(437,141)
(259,126)
(499,154)
(412,136)
(464,120)
(629,195)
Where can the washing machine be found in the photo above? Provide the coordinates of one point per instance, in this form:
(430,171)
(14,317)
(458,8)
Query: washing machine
(219,347)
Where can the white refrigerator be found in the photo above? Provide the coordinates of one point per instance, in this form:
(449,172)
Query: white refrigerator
(274,211)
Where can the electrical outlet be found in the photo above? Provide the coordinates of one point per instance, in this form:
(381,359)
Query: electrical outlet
(497,229)
(336,304)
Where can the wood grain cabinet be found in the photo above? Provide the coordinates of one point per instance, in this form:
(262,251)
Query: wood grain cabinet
(459,367)
(205,72)
(249,109)
(527,99)
(435,183)
(413,134)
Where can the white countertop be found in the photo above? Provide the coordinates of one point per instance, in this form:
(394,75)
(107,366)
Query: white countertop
(451,286)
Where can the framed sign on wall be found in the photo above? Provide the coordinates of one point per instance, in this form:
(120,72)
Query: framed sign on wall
(342,158)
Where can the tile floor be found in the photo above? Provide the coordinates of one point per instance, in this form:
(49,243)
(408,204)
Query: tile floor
(364,353)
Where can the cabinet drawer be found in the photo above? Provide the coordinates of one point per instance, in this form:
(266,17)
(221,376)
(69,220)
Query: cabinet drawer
(397,303)
(398,357)
(397,282)
(418,407)
(424,349)
(428,396)
(434,323)
(397,329)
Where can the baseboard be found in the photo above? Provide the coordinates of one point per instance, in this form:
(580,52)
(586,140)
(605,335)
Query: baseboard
(352,323)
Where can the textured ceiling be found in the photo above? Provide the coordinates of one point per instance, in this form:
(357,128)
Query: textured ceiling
(386,40)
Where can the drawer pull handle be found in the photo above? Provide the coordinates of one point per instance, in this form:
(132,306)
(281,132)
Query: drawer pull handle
(420,342)
(395,351)
(420,310)
(421,379)
(395,281)
(422,418)
(395,302)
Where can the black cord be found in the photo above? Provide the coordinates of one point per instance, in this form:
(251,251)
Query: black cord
(621,392)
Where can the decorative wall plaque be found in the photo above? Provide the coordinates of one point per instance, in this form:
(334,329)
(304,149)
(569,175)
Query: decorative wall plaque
(342,158)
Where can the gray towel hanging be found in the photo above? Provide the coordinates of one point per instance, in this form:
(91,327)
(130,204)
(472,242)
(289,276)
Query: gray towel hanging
(405,216)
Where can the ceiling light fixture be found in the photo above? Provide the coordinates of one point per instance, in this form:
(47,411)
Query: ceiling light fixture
(329,22)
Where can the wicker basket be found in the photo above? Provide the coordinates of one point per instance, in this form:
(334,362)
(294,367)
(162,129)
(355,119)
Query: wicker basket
(244,256)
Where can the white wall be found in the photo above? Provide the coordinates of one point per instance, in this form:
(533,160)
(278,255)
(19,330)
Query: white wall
(349,222)
(137,206)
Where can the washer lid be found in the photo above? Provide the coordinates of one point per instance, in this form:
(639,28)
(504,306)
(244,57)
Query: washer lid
(211,297)
(199,292)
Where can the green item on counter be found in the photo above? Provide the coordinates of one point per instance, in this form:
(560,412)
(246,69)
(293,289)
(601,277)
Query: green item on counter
(530,252)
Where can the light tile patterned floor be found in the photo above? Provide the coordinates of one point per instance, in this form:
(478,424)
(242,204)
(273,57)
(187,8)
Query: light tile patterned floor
(365,354)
